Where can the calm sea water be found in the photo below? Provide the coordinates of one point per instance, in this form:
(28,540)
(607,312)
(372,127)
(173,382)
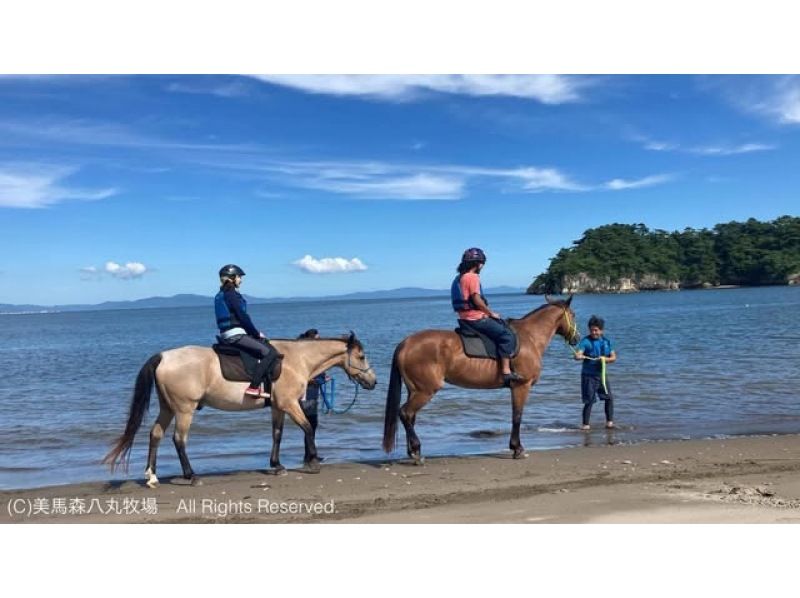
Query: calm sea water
(691,365)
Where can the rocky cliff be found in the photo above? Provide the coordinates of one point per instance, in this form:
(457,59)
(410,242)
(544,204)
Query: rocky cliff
(584,283)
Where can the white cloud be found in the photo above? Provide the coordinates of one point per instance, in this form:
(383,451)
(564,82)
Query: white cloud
(650,181)
(780,100)
(547,89)
(409,181)
(92,133)
(546,179)
(413,186)
(41,185)
(329,265)
(660,146)
(231,89)
(126,272)
(774,97)
(704,150)
(717,150)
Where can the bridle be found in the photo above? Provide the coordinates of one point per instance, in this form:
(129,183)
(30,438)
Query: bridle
(349,366)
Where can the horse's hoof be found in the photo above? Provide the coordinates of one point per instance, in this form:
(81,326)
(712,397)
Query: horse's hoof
(278,470)
(152,484)
(312,466)
(417,459)
(196,481)
(520,454)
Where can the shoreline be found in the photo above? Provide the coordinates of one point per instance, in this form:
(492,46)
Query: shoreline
(732,480)
(721,287)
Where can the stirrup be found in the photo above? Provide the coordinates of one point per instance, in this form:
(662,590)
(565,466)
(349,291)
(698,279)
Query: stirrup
(509,379)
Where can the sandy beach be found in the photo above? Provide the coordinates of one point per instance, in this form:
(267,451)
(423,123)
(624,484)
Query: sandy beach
(741,480)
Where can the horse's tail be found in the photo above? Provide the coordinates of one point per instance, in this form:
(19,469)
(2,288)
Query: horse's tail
(140,403)
(393,397)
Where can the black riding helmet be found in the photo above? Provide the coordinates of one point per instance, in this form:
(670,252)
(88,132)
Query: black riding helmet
(230,270)
(474,254)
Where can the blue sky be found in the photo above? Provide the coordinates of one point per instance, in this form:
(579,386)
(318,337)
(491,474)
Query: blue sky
(125,187)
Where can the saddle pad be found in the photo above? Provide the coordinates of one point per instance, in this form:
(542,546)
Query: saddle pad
(481,346)
(236,366)
(239,366)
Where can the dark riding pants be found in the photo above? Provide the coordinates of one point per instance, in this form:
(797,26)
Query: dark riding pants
(258,349)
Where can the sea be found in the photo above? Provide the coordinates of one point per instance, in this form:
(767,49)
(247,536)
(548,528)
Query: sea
(691,364)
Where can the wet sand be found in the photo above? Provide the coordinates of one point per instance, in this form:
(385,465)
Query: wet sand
(741,480)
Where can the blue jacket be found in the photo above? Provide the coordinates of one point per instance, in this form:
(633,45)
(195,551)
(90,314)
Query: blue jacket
(231,311)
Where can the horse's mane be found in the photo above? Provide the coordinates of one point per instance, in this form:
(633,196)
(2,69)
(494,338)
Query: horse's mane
(342,339)
(556,303)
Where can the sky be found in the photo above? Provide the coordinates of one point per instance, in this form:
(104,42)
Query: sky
(123,187)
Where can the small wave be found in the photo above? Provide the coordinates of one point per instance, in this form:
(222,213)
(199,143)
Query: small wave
(21,469)
(555,430)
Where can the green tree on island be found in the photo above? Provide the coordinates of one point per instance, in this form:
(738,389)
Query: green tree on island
(733,253)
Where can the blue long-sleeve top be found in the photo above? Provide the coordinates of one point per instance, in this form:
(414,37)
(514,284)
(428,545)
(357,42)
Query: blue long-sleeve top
(236,306)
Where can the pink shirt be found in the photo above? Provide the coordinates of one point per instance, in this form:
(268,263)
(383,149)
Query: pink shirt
(470,285)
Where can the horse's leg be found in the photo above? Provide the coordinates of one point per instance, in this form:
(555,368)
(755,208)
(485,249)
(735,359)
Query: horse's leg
(278,417)
(408,415)
(163,421)
(182,423)
(296,413)
(519,395)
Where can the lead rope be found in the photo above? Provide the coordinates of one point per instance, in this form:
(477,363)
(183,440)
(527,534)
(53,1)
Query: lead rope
(330,403)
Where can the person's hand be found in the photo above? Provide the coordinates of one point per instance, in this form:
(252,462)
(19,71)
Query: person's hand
(496,315)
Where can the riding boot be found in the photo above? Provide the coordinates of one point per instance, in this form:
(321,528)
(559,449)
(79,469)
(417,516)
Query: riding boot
(260,375)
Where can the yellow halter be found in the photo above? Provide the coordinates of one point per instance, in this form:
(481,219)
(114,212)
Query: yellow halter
(572,328)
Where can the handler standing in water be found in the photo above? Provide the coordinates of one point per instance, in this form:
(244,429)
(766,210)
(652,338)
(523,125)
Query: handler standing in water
(596,351)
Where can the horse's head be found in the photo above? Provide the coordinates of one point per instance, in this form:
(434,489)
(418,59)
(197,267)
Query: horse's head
(356,365)
(567,326)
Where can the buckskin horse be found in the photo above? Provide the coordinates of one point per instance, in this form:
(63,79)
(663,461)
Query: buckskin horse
(189,376)
(427,359)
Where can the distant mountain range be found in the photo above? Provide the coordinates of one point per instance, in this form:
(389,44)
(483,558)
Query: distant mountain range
(187,300)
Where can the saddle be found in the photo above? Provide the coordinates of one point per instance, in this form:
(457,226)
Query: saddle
(238,365)
(481,346)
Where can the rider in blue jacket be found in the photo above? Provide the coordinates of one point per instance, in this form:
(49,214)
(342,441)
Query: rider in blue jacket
(235,326)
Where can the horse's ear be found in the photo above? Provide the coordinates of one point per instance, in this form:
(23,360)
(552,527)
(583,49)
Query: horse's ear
(351,340)
(569,299)
(547,298)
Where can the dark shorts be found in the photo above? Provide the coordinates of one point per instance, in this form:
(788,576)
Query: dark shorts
(592,389)
(495,330)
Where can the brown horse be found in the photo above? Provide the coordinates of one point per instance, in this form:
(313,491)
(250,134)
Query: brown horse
(189,377)
(427,359)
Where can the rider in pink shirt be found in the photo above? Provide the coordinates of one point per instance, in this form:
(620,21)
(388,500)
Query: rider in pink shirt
(474,313)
